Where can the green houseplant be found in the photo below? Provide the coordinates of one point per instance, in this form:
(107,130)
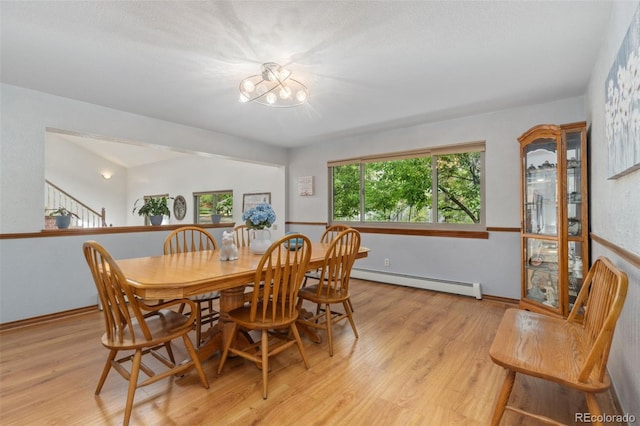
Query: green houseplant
(62,216)
(223,208)
(154,208)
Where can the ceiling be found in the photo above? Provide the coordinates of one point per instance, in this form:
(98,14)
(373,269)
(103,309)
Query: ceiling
(368,65)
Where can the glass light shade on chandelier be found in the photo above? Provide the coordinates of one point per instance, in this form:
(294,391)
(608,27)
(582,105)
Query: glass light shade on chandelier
(273,87)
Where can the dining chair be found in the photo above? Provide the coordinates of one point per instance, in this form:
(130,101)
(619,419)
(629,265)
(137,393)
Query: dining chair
(188,239)
(131,325)
(333,286)
(241,235)
(572,352)
(272,311)
(327,236)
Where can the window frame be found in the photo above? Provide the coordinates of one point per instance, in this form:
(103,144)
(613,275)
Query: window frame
(214,193)
(413,227)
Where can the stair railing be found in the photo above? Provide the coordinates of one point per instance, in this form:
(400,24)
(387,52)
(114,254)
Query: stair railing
(86,216)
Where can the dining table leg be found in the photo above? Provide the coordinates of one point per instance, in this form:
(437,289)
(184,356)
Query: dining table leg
(215,337)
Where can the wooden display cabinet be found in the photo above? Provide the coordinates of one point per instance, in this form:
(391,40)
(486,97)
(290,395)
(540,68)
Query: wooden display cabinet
(555,216)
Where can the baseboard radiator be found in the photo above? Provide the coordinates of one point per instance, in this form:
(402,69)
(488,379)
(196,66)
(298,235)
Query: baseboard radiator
(455,287)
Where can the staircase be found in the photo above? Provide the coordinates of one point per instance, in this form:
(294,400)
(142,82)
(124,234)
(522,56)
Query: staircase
(56,198)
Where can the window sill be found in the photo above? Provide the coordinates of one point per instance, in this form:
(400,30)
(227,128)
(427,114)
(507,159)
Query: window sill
(424,232)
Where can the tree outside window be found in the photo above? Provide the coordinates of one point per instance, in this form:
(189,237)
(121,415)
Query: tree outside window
(398,188)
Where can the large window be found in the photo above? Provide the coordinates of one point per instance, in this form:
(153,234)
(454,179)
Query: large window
(398,189)
(213,206)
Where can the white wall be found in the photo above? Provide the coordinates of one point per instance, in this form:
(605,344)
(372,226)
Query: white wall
(493,262)
(27,113)
(189,174)
(615,216)
(53,268)
(77,171)
(42,276)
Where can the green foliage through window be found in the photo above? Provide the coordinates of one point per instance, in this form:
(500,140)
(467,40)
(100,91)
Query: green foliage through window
(213,202)
(402,190)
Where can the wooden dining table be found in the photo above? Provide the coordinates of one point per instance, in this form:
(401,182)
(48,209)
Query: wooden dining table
(177,276)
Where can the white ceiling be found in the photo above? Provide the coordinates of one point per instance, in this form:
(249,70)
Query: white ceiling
(368,65)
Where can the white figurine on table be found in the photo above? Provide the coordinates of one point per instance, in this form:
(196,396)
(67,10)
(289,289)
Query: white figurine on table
(229,250)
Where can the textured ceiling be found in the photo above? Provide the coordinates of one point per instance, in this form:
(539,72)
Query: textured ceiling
(368,65)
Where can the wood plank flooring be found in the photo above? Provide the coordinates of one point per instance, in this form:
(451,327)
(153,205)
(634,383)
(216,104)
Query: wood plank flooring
(421,359)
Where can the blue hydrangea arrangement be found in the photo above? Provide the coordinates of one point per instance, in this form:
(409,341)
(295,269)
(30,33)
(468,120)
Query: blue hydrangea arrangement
(259,217)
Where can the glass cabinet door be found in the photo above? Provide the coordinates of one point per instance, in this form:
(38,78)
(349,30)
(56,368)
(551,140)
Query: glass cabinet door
(576,270)
(574,185)
(577,261)
(541,271)
(541,188)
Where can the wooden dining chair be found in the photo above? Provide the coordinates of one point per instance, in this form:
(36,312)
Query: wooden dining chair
(571,352)
(131,325)
(329,234)
(333,286)
(273,308)
(189,239)
(241,235)
(327,237)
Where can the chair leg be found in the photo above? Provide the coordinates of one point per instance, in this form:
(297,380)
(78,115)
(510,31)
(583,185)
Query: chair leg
(350,305)
(167,346)
(133,384)
(296,334)
(227,345)
(327,313)
(198,322)
(594,407)
(348,311)
(196,361)
(503,397)
(264,347)
(105,371)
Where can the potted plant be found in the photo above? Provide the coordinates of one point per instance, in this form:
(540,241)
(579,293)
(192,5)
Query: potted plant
(155,208)
(223,207)
(62,217)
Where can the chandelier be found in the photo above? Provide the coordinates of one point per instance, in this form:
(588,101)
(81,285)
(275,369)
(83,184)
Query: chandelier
(273,87)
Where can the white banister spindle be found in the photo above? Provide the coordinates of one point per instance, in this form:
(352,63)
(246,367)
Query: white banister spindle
(86,217)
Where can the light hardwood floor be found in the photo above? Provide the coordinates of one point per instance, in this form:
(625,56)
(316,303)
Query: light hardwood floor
(421,359)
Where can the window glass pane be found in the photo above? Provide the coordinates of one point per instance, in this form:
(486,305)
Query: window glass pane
(210,203)
(398,191)
(346,192)
(224,205)
(205,208)
(400,188)
(459,188)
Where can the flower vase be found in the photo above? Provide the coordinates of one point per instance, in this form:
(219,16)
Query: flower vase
(261,241)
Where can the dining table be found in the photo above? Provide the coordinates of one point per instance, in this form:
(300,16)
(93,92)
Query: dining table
(181,275)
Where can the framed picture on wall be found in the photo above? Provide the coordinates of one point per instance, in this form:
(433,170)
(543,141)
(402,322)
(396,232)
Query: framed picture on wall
(622,101)
(253,199)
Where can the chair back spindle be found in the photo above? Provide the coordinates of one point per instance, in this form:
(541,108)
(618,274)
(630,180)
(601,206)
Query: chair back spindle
(336,269)
(601,297)
(282,270)
(332,232)
(189,239)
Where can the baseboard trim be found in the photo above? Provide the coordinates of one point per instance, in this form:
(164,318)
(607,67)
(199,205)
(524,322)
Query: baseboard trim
(501,299)
(49,317)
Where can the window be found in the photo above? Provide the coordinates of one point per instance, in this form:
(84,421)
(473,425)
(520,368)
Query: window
(213,206)
(398,189)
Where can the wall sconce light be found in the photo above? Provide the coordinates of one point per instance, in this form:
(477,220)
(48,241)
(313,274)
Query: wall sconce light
(106,175)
